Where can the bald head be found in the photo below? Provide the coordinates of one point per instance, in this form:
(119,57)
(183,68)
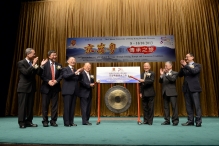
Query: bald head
(147,66)
(87,66)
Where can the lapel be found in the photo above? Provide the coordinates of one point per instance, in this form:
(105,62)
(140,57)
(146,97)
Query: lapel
(85,74)
(27,65)
(48,66)
(69,69)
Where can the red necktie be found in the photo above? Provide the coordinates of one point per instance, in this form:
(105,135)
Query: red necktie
(52,71)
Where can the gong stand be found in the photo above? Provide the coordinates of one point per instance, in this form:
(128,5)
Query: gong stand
(98,103)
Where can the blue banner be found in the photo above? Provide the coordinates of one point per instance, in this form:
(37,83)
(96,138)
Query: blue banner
(122,49)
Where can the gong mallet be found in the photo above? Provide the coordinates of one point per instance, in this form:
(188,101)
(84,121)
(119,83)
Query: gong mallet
(134,78)
(139,121)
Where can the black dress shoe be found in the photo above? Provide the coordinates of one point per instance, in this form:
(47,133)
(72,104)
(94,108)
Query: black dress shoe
(67,125)
(175,124)
(165,123)
(150,124)
(54,124)
(198,124)
(22,126)
(87,123)
(31,125)
(73,124)
(188,124)
(145,122)
(45,124)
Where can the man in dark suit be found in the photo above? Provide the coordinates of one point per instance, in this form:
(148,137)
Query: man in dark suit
(69,91)
(191,88)
(85,93)
(51,76)
(168,80)
(147,93)
(26,89)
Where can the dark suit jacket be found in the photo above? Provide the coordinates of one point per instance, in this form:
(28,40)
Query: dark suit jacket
(70,81)
(147,88)
(27,73)
(191,77)
(47,75)
(169,84)
(85,90)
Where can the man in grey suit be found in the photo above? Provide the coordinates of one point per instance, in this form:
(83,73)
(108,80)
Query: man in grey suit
(26,89)
(85,93)
(69,91)
(147,93)
(191,88)
(168,80)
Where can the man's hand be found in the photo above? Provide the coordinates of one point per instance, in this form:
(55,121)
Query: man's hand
(140,95)
(52,82)
(92,84)
(141,80)
(43,62)
(78,71)
(183,62)
(161,71)
(35,61)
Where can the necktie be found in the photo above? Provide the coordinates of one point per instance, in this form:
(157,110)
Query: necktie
(52,71)
(30,63)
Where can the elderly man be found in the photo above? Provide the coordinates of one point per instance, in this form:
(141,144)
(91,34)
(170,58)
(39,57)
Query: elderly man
(85,93)
(26,89)
(147,93)
(69,91)
(168,80)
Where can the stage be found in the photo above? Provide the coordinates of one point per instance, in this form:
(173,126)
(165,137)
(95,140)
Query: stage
(111,131)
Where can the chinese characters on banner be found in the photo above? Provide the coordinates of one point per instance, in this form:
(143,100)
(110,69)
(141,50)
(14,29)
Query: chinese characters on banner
(122,49)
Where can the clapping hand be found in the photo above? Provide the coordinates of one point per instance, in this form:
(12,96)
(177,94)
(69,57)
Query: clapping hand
(43,62)
(183,63)
(35,61)
(161,71)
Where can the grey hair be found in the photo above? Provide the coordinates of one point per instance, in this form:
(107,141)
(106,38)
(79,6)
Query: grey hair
(169,63)
(28,51)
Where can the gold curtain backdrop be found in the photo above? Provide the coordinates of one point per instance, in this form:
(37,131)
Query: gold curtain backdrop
(45,25)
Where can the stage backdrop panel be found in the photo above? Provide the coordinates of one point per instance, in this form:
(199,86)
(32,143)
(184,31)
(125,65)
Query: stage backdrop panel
(117,74)
(122,49)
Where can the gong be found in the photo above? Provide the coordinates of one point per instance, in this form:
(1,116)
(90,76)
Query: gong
(118,99)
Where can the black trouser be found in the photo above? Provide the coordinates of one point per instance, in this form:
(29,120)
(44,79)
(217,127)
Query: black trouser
(148,108)
(25,108)
(69,108)
(53,96)
(85,108)
(173,101)
(193,98)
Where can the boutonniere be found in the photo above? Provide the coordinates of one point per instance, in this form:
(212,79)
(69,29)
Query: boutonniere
(148,74)
(92,76)
(36,66)
(58,67)
(191,66)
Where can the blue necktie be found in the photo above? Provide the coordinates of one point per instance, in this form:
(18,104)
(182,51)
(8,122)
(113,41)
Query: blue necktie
(30,63)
